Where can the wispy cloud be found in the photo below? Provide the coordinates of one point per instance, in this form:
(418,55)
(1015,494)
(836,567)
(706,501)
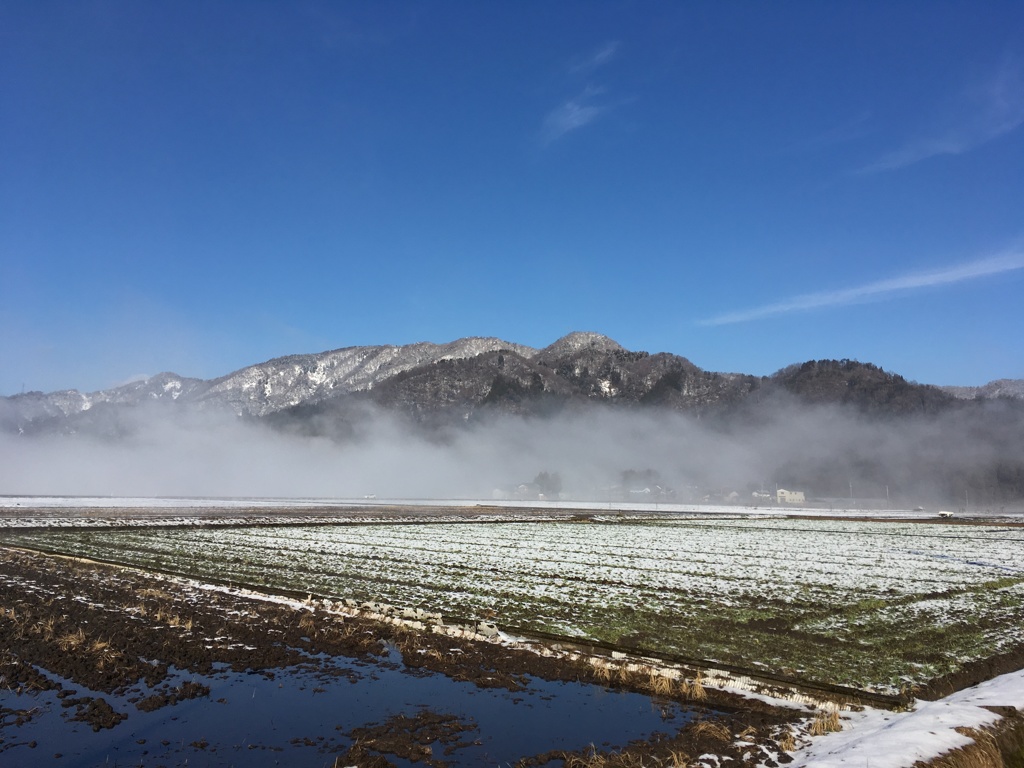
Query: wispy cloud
(574,113)
(582,109)
(878,291)
(598,58)
(992,110)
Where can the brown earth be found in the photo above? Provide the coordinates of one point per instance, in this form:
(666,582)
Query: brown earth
(119,631)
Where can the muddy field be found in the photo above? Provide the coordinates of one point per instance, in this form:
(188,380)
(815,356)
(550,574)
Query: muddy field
(888,607)
(105,665)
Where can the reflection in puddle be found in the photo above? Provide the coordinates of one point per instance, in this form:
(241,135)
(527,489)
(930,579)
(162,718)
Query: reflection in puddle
(306,717)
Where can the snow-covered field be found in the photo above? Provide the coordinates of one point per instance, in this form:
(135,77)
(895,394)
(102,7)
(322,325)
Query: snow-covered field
(870,604)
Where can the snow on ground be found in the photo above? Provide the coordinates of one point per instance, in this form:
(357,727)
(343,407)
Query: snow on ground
(871,738)
(882,739)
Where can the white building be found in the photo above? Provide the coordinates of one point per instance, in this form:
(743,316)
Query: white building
(782,496)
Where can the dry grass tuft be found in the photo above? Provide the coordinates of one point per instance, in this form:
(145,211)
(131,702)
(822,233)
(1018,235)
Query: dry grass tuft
(627,760)
(106,653)
(659,684)
(625,675)
(787,741)
(709,729)
(694,689)
(825,722)
(678,759)
(71,641)
(592,759)
(603,673)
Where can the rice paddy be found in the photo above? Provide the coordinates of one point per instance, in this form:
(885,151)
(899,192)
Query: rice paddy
(878,605)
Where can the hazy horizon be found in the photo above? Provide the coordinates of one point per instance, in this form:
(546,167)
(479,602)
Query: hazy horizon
(159,450)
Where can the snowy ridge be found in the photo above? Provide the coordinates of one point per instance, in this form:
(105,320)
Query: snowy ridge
(265,387)
(999,388)
(287,381)
(162,386)
(579,365)
(67,402)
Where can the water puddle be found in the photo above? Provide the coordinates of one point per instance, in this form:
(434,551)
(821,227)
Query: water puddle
(309,715)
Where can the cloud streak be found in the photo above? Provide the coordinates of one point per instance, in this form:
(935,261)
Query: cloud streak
(877,291)
(599,58)
(581,110)
(572,115)
(995,109)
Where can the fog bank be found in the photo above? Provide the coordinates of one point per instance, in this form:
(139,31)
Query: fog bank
(825,451)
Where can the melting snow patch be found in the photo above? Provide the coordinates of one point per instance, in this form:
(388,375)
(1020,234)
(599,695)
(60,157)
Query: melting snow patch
(900,739)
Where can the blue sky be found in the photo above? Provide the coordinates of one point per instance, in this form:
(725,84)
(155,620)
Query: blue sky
(197,186)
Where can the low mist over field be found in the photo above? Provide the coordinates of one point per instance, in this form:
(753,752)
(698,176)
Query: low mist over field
(975,452)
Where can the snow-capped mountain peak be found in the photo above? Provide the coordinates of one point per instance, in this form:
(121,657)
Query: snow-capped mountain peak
(581,340)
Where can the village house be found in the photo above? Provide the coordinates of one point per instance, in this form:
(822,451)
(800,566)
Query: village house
(782,496)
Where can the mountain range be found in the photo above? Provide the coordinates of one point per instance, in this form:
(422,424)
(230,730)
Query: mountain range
(463,379)
(584,407)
